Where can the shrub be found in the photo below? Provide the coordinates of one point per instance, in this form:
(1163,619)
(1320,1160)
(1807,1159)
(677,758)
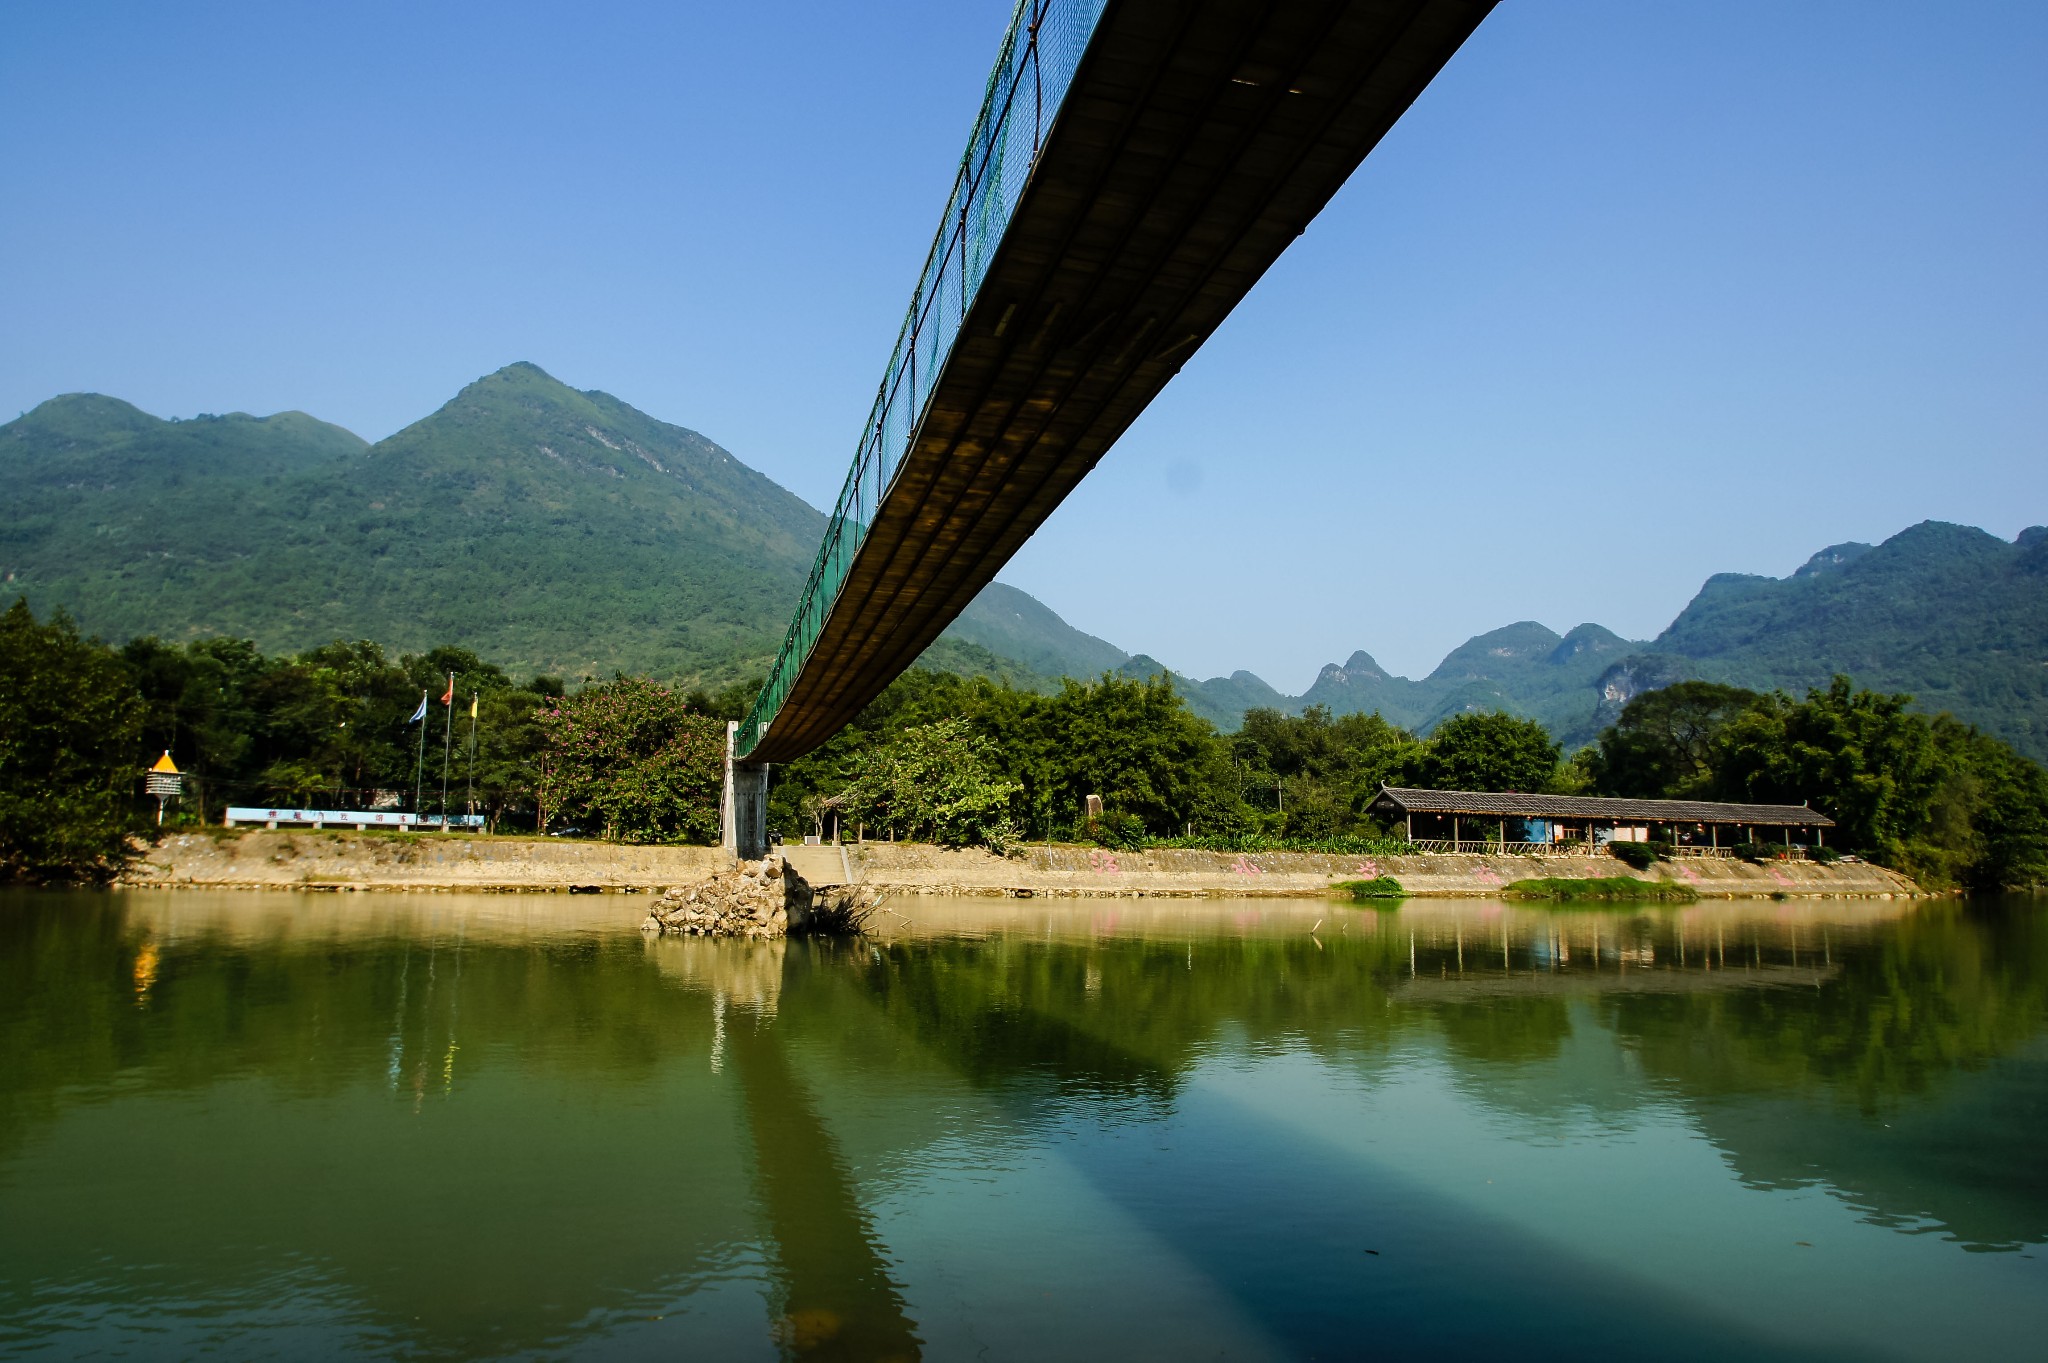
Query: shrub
(1640,855)
(1118,832)
(1343,845)
(1602,889)
(1379,887)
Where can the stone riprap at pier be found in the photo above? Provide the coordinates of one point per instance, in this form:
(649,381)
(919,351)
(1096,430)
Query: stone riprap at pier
(758,899)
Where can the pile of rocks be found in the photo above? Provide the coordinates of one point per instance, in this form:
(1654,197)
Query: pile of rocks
(765,898)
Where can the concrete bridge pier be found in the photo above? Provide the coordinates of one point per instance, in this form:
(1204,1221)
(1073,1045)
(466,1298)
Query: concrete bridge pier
(743,814)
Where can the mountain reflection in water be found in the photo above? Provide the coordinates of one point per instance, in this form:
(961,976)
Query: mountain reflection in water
(454,1126)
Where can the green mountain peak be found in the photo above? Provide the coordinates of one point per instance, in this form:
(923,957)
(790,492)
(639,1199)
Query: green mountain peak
(561,530)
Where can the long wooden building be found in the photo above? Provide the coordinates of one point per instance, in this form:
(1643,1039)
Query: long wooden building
(1472,820)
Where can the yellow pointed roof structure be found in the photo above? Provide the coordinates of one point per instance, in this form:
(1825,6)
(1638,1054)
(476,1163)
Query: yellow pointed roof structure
(165,764)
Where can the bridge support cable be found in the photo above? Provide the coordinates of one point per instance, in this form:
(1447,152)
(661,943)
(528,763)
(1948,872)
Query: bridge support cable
(1178,148)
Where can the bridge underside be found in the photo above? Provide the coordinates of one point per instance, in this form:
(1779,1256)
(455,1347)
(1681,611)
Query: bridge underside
(1196,141)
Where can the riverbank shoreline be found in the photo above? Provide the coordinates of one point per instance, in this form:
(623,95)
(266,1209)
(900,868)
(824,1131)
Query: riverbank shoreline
(262,859)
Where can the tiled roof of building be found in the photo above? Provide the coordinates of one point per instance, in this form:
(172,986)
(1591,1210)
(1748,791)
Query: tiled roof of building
(1515,805)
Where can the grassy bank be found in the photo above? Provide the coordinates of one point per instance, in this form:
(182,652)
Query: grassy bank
(1604,889)
(1378,889)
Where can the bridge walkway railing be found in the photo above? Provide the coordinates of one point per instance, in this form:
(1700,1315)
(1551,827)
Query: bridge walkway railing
(1035,66)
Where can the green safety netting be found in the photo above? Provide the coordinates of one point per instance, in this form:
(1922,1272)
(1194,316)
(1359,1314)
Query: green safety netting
(1034,67)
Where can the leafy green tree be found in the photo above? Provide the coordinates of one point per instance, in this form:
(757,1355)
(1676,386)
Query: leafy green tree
(2008,816)
(1320,771)
(196,708)
(728,702)
(1486,751)
(332,725)
(1134,743)
(1663,745)
(939,782)
(1873,766)
(632,755)
(70,751)
(919,696)
(499,769)
(1930,796)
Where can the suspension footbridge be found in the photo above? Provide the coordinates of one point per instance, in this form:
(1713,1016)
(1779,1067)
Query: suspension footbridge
(1136,166)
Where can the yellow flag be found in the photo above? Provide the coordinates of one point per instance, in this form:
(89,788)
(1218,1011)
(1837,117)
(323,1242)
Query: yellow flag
(472,704)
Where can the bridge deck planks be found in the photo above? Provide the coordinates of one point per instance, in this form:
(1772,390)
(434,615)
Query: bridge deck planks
(1196,142)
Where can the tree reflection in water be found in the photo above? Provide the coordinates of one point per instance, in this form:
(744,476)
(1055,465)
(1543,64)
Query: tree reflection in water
(492,1125)
(1843,1016)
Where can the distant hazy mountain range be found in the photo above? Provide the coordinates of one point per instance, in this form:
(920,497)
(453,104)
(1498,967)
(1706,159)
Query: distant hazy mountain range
(562,531)
(1954,615)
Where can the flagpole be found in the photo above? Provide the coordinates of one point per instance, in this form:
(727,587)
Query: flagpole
(471,802)
(447,745)
(419,764)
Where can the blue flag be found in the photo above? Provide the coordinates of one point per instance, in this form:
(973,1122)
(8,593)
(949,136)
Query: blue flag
(420,713)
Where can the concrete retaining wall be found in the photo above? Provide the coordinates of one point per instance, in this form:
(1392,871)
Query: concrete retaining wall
(285,860)
(914,869)
(282,859)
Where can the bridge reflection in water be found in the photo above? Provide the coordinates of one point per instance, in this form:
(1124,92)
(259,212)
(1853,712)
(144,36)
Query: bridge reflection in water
(451,1125)
(836,1296)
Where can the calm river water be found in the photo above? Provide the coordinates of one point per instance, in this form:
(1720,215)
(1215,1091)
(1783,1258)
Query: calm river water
(478,1126)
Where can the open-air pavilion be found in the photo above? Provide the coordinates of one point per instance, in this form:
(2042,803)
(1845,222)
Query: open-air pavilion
(1488,821)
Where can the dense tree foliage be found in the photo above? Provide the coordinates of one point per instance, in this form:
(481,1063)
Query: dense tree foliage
(70,752)
(936,782)
(634,758)
(941,756)
(1486,751)
(1163,772)
(330,726)
(1931,796)
(1134,743)
(1662,746)
(1317,772)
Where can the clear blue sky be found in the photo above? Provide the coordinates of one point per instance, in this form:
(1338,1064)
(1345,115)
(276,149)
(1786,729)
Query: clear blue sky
(1636,293)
